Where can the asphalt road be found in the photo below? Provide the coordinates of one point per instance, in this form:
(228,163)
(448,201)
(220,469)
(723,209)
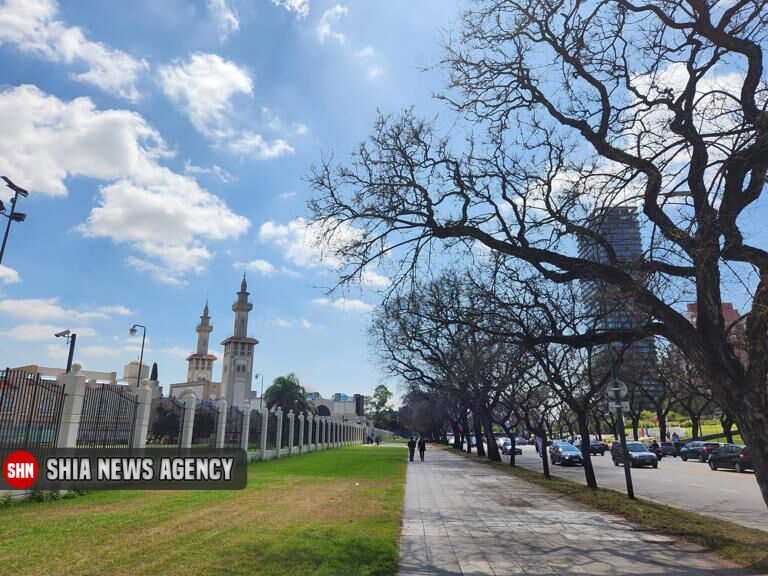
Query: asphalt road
(690,485)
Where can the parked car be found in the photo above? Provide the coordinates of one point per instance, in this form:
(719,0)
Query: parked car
(732,456)
(506,447)
(597,447)
(565,454)
(639,455)
(450,439)
(698,450)
(521,441)
(669,448)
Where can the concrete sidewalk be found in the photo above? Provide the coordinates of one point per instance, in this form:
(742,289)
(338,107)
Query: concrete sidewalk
(461,517)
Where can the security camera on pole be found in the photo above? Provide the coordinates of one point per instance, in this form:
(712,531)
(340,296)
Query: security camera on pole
(71,339)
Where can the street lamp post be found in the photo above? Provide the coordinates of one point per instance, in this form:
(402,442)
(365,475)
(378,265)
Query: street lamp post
(132,332)
(261,395)
(12,216)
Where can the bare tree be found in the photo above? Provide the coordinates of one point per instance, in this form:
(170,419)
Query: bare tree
(575,108)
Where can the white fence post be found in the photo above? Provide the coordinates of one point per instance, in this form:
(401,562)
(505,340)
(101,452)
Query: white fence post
(246,428)
(291,423)
(72,408)
(221,423)
(190,403)
(301,432)
(143,416)
(310,423)
(264,430)
(279,432)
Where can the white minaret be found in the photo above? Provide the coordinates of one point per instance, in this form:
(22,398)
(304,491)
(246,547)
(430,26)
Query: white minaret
(237,372)
(200,364)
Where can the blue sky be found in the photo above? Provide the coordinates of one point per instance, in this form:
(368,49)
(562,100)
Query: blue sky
(164,145)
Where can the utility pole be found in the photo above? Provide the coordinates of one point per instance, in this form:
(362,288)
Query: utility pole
(13,216)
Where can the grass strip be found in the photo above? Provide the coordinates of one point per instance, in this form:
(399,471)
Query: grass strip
(325,513)
(745,546)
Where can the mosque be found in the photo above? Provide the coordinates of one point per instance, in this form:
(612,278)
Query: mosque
(237,367)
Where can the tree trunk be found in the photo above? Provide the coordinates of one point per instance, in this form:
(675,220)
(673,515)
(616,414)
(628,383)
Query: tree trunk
(544,453)
(480,449)
(598,429)
(589,471)
(753,425)
(467,435)
(662,425)
(727,425)
(493,448)
(635,424)
(694,427)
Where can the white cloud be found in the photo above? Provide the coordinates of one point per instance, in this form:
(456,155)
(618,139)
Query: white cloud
(261,266)
(299,7)
(203,87)
(301,130)
(254,145)
(176,351)
(371,62)
(9,275)
(373,279)
(286,195)
(37,331)
(302,323)
(31,26)
(265,268)
(214,170)
(164,215)
(98,351)
(225,17)
(325,27)
(39,309)
(300,241)
(345,304)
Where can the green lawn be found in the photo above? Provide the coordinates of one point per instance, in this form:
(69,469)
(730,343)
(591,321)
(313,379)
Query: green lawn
(330,513)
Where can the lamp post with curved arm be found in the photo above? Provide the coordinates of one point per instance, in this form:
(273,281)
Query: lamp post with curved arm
(132,332)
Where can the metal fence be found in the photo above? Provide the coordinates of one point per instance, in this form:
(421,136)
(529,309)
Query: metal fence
(166,422)
(108,418)
(296,431)
(254,430)
(286,431)
(233,432)
(308,431)
(271,430)
(205,424)
(30,411)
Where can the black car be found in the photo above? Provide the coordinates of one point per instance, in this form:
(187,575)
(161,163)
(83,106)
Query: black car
(732,456)
(639,455)
(668,449)
(565,454)
(596,447)
(698,450)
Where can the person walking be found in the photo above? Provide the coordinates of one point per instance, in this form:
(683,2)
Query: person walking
(422,447)
(411,448)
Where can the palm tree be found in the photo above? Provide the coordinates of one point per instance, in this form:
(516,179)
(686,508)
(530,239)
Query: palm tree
(288,393)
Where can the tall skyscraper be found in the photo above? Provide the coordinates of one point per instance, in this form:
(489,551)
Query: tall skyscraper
(620,228)
(237,369)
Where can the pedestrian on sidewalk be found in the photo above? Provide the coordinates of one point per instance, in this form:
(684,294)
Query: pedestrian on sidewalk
(422,447)
(411,447)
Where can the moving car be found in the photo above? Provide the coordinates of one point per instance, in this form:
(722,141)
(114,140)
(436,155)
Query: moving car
(639,455)
(698,450)
(565,454)
(732,456)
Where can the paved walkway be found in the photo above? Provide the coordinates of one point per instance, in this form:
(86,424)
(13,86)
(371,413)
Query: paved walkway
(462,517)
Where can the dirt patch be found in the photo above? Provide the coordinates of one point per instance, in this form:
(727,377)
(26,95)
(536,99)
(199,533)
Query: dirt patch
(514,502)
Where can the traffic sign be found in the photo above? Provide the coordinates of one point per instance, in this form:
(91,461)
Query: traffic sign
(620,387)
(624,406)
